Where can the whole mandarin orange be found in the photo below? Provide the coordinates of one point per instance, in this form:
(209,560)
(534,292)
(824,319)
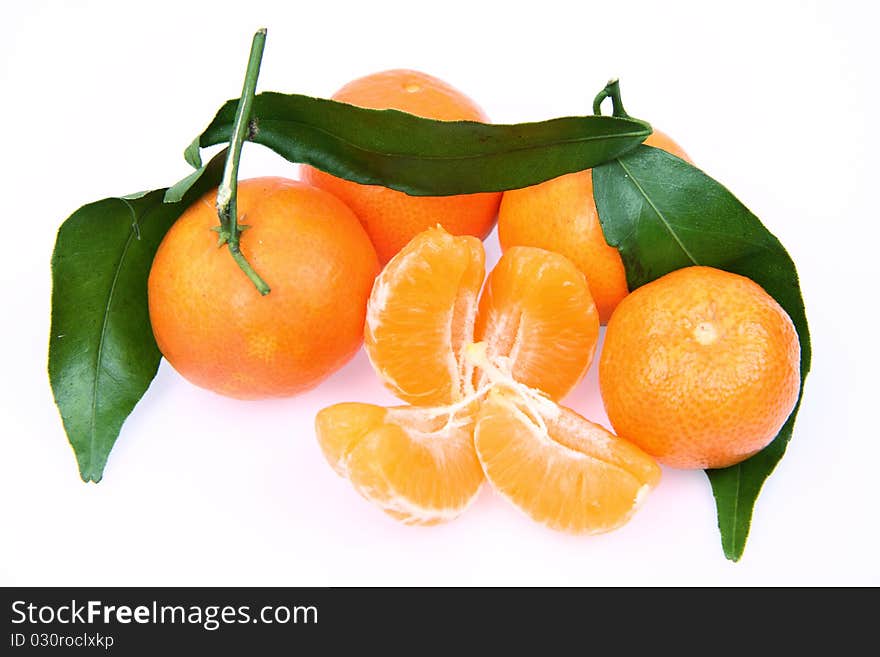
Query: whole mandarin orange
(390,217)
(215,328)
(700,368)
(560,215)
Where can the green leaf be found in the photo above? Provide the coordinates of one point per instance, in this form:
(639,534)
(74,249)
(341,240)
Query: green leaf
(192,154)
(179,189)
(102,354)
(663,214)
(424,157)
(736,488)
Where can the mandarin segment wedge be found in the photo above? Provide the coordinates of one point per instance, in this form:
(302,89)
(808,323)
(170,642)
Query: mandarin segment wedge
(536,316)
(536,312)
(560,469)
(342,426)
(417,464)
(420,316)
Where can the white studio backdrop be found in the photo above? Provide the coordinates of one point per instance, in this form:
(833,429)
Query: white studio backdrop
(776,100)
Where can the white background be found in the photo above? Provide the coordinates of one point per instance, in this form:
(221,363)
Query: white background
(777,100)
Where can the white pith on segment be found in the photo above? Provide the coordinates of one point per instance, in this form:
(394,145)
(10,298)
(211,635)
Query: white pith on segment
(522,301)
(461,370)
(404,509)
(435,304)
(378,302)
(432,428)
(420,426)
(497,371)
(413,514)
(566,453)
(456,321)
(599,452)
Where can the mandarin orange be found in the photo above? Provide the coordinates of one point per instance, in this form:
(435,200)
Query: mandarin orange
(213,326)
(700,368)
(560,215)
(392,218)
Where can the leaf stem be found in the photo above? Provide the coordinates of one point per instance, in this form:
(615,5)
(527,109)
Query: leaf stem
(227,194)
(612,91)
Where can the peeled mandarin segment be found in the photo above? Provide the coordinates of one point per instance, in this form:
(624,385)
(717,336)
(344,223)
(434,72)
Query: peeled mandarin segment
(417,464)
(573,431)
(420,316)
(568,474)
(537,312)
(342,426)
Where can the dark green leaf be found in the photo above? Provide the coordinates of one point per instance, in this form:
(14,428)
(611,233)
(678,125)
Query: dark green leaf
(102,355)
(424,157)
(664,214)
(193,155)
(736,488)
(179,189)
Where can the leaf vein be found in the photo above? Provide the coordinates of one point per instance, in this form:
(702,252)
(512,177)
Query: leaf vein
(735,520)
(657,212)
(104,324)
(441,158)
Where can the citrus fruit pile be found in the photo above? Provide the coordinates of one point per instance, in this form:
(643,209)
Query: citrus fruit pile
(483,375)
(263,288)
(700,368)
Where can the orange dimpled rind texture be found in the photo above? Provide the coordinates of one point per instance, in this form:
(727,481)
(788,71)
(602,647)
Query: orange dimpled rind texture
(560,215)
(700,368)
(215,328)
